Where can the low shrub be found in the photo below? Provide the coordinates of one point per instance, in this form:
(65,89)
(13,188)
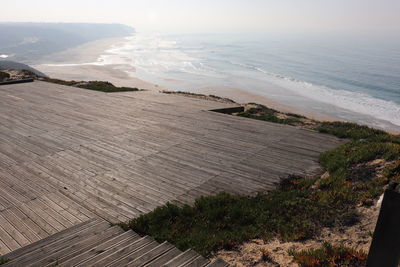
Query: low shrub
(345,162)
(292,212)
(101,86)
(261,112)
(106,87)
(351,130)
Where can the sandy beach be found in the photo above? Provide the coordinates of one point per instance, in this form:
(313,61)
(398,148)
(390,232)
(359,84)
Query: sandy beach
(80,63)
(84,62)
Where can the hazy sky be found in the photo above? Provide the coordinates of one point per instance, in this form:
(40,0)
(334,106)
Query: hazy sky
(215,15)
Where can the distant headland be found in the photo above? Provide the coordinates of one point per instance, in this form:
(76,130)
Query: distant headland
(26,42)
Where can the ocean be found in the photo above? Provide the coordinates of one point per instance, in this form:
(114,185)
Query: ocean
(352,79)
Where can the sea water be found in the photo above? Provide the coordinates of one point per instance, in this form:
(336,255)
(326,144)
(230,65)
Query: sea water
(349,78)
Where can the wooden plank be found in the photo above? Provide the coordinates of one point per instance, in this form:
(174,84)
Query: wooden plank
(21,226)
(121,252)
(54,239)
(3,248)
(13,232)
(78,247)
(42,223)
(148,256)
(128,236)
(41,252)
(164,258)
(40,232)
(182,258)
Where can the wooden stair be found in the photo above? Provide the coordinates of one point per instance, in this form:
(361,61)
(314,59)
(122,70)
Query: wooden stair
(96,243)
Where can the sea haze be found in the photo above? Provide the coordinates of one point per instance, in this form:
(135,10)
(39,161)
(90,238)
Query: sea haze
(356,79)
(28,42)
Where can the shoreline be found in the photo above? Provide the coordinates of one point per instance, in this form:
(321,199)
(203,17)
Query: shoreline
(83,63)
(79,63)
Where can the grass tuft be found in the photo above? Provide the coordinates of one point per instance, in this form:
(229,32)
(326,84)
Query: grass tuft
(261,112)
(330,256)
(3,261)
(351,130)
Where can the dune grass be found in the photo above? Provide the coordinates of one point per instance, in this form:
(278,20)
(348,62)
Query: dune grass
(330,256)
(106,87)
(264,113)
(296,210)
(291,212)
(3,261)
(101,86)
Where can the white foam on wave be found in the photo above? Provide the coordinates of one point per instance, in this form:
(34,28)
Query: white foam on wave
(154,54)
(354,101)
(3,56)
(157,55)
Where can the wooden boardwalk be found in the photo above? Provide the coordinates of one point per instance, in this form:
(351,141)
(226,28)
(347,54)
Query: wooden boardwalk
(96,243)
(69,154)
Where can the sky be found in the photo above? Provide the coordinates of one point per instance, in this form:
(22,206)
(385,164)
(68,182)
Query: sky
(192,16)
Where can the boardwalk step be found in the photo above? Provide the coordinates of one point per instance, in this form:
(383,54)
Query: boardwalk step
(197,261)
(96,243)
(101,249)
(48,240)
(52,248)
(182,258)
(217,263)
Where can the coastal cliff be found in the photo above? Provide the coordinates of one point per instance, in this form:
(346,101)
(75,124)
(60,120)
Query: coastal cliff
(27,42)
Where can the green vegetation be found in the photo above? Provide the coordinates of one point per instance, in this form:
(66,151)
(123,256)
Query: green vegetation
(347,164)
(4,76)
(58,81)
(351,130)
(224,221)
(330,256)
(3,261)
(298,209)
(106,87)
(261,112)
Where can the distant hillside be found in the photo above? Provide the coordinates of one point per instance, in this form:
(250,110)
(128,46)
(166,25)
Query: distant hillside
(27,42)
(12,65)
